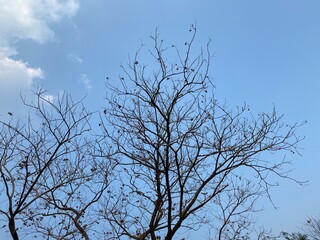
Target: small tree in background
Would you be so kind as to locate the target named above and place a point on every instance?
(294, 236)
(183, 159)
(310, 231)
(312, 228)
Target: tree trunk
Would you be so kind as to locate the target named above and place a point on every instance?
(12, 228)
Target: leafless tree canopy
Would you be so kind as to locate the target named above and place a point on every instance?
(184, 159)
(164, 158)
(50, 169)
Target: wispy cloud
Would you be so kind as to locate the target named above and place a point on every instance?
(48, 97)
(75, 58)
(86, 81)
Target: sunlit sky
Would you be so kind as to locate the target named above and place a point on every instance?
(266, 53)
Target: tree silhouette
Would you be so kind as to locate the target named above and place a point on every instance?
(50, 169)
(183, 159)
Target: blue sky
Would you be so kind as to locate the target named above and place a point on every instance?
(265, 53)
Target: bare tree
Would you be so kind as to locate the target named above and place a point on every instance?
(170, 158)
(52, 170)
(183, 159)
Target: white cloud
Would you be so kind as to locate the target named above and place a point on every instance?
(15, 73)
(29, 19)
(86, 81)
(21, 20)
(16, 77)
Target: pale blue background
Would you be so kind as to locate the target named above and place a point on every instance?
(265, 52)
